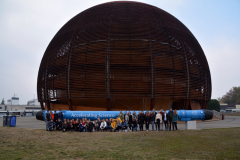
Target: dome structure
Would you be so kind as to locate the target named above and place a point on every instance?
(124, 55)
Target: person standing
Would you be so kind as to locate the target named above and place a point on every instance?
(52, 115)
(126, 117)
(154, 114)
(161, 112)
(175, 119)
(142, 118)
(56, 116)
(130, 120)
(121, 116)
(60, 115)
(152, 118)
(170, 115)
(158, 120)
(147, 120)
(165, 120)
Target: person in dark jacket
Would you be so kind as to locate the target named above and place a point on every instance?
(64, 126)
(134, 125)
(76, 125)
(147, 120)
(59, 125)
(108, 127)
(89, 126)
(170, 115)
(56, 117)
(165, 119)
(48, 118)
(130, 120)
(68, 125)
(51, 125)
(142, 118)
(60, 115)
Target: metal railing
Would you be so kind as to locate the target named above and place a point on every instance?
(217, 114)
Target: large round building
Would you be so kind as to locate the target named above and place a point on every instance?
(124, 56)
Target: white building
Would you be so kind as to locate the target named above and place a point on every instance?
(33, 102)
(13, 101)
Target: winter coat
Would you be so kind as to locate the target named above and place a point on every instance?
(158, 116)
(175, 117)
(126, 118)
(121, 116)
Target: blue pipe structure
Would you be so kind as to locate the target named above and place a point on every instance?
(184, 115)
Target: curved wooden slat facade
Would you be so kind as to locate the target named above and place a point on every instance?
(120, 54)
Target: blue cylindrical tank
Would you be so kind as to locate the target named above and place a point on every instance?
(184, 115)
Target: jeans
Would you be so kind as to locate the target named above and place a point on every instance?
(134, 128)
(153, 125)
(166, 125)
(108, 127)
(147, 125)
(84, 129)
(174, 124)
(158, 124)
(170, 122)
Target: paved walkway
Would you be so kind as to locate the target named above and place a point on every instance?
(230, 121)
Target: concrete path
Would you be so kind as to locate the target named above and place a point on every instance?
(230, 121)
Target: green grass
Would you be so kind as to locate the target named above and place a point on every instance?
(17, 143)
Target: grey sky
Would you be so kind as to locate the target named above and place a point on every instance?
(27, 27)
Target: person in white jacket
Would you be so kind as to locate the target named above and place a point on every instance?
(103, 125)
(158, 120)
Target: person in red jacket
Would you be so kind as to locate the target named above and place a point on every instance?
(52, 115)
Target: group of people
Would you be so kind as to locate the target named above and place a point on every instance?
(123, 122)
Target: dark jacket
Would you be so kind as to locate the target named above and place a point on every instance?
(60, 115)
(167, 116)
(59, 124)
(170, 115)
(134, 123)
(142, 117)
(55, 117)
(51, 124)
(48, 117)
(147, 118)
(130, 119)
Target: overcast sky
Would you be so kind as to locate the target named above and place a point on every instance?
(27, 27)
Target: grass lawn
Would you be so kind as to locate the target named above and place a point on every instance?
(18, 143)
